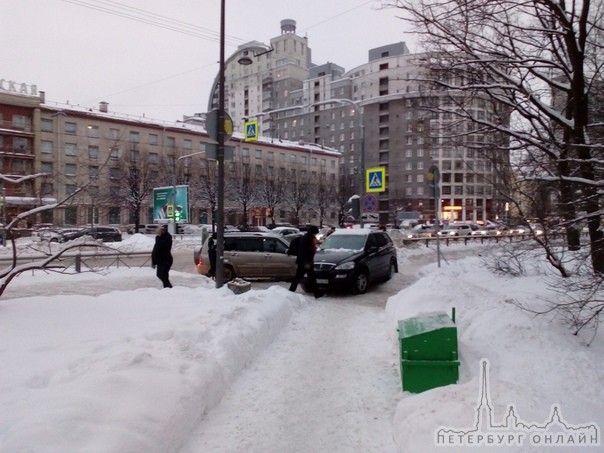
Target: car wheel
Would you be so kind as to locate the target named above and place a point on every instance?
(360, 282)
(229, 273)
(54, 240)
(391, 270)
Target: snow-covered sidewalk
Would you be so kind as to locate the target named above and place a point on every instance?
(328, 383)
(128, 367)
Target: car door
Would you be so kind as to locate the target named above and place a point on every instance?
(277, 263)
(248, 258)
(382, 242)
(373, 257)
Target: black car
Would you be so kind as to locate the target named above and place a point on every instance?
(106, 234)
(353, 259)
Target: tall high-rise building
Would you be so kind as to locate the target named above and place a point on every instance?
(384, 113)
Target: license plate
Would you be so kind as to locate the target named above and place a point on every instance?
(322, 281)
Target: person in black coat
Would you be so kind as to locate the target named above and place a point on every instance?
(212, 255)
(161, 256)
(306, 261)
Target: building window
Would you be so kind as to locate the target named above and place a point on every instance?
(70, 189)
(187, 145)
(93, 131)
(135, 155)
(70, 169)
(70, 149)
(153, 139)
(46, 167)
(114, 173)
(153, 158)
(171, 142)
(47, 188)
(46, 147)
(93, 191)
(70, 128)
(133, 137)
(46, 125)
(71, 215)
(114, 215)
(93, 152)
(93, 170)
(115, 152)
(114, 134)
(258, 154)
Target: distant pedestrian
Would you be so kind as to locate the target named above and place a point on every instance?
(161, 256)
(212, 255)
(306, 261)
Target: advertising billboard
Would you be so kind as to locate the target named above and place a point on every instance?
(171, 202)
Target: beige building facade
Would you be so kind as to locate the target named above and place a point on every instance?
(106, 165)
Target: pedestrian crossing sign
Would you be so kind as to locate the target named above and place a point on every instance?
(251, 131)
(375, 179)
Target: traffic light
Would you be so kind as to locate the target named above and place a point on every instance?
(354, 206)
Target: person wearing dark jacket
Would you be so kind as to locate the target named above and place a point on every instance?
(161, 256)
(212, 255)
(306, 261)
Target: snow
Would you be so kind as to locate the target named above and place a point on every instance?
(110, 362)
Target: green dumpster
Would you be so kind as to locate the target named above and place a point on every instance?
(428, 352)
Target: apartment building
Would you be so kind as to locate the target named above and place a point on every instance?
(106, 165)
(383, 113)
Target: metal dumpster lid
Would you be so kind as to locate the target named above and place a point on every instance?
(424, 322)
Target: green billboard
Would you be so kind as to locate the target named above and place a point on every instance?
(171, 203)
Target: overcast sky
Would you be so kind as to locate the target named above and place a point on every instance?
(160, 57)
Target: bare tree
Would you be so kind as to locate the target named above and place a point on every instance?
(242, 189)
(271, 191)
(134, 186)
(48, 262)
(298, 192)
(324, 197)
(203, 189)
(540, 60)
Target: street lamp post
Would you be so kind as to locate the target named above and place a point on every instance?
(220, 158)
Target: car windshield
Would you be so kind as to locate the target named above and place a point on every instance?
(344, 241)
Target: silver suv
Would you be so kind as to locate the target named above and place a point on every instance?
(251, 255)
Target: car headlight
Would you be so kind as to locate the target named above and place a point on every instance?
(345, 266)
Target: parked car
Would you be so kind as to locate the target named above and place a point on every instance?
(354, 259)
(285, 230)
(456, 230)
(46, 234)
(521, 230)
(486, 230)
(104, 233)
(422, 231)
(251, 255)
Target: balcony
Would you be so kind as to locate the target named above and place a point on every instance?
(9, 151)
(16, 129)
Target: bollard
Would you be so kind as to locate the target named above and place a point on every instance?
(78, 263)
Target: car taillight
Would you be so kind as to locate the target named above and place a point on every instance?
(200, 261)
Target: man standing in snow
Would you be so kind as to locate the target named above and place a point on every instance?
(306, 261)
(161, 256)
